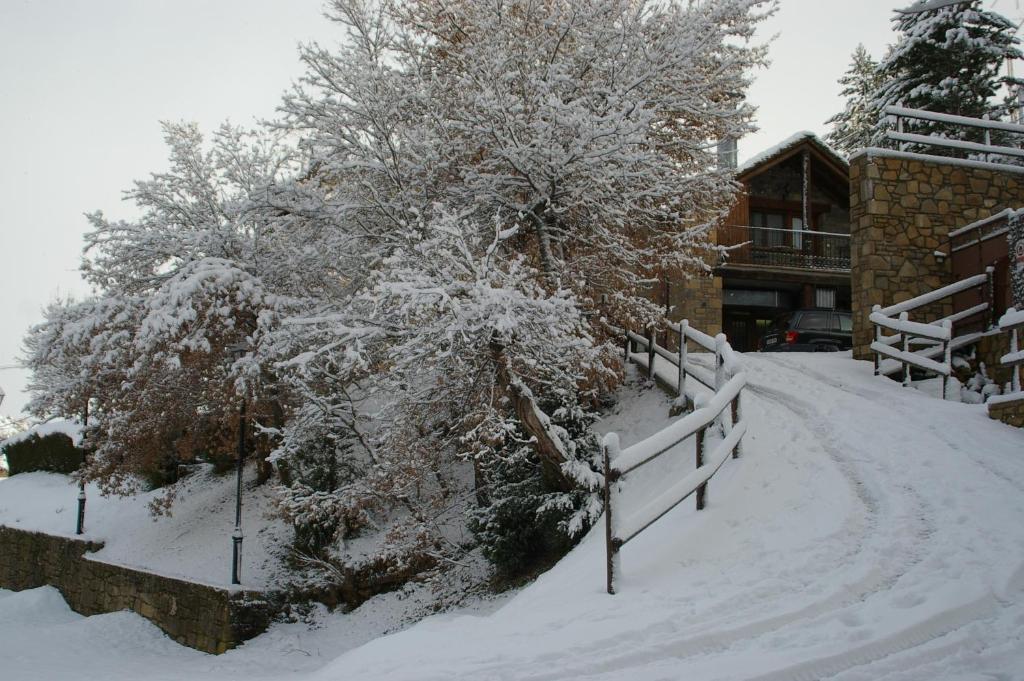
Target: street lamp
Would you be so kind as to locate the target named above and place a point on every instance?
(237, 351)
(80, 527)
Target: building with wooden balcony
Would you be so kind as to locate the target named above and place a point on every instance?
(787, 241)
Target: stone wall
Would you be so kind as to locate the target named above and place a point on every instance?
(204, 617)
(698, 299)
(902, 209)
(1011, 412)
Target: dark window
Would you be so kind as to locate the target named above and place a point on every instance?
(842, 321)
(814, 320)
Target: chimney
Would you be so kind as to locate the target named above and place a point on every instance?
(727, 154)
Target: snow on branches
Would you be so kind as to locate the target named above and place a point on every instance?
(414, 282)
(948, 60)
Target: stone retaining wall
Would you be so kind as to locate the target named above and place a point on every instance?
(1011, 413)
(204, 617)
(902, 210)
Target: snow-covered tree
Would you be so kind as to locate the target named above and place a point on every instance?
(948, 59)
(173, 290)
(591, 125)
(475, 182)
(853, 127)
(496, 171)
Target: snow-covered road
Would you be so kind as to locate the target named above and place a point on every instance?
(868, 532)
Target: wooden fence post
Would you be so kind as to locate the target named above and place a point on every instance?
(683, 326)
(947, 355)
(905, 337)
(737, 415)
(988, 141)
(699, 404)
(720, 342)
(609, 448)
(990, 294)
(628, 348)
(1015, 369)
(878, 338)
(650, 352)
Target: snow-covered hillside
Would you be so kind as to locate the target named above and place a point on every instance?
(868, 532)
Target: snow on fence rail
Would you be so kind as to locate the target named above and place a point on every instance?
(986, 150)
(727, 385)
(1012, 322)
(937, 335)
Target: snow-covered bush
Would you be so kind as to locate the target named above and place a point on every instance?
(53, 452)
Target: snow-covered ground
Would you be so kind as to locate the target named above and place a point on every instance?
(194, 542)
(869, 532)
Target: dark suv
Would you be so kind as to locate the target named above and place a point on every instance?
(810, 330)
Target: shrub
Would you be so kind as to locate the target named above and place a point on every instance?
(54, 453)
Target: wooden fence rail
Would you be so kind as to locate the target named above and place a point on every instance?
(1012, 323)
(727, 385)
(986, 149)
(927, 345)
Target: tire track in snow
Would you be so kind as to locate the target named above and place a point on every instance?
(908, 413)
(911, 637)
(932, 628)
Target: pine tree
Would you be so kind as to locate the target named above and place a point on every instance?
(948, 60)
(853, 126)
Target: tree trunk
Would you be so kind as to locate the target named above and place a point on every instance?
(548, 445)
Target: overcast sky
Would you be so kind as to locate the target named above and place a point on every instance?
(84, 84)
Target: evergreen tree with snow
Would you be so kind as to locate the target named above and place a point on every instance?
(853, 127)
(948, 60)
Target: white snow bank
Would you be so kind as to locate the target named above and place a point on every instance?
(1011, 318)
(1006, 397)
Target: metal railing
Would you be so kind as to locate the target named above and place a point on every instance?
(795, 248)
(982, 128)
(723, 408)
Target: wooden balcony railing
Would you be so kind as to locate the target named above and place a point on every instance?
(796, 248)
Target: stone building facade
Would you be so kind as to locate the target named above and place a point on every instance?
(902, 209)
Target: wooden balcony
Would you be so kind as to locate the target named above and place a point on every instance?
(772, 248)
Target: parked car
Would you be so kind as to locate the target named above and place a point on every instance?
(810, 330)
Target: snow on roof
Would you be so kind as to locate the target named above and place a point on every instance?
(70, 428)
(787, 144)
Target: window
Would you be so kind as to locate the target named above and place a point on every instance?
(842, 321)
(817, 321)
(825, 297)
(771, 221)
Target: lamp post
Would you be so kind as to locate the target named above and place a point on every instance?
(237, 351)
(80, 526)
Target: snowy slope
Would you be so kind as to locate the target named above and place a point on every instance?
(869, 532)
(194, 542)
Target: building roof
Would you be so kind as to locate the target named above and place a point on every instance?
(788, 147)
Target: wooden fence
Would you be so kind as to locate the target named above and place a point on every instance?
(926, 345)
(1012, 323)
(727, 384)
